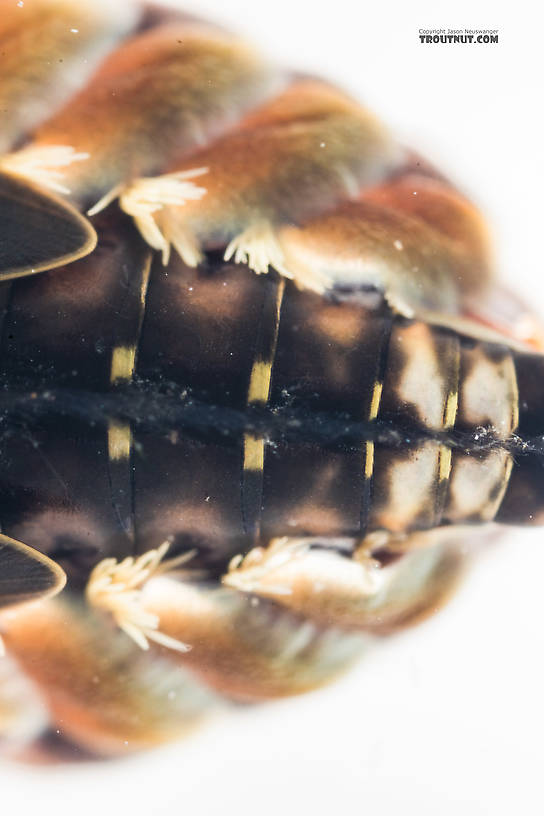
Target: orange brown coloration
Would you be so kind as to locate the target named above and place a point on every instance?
(164, 93)
(246, 650)
(48, 48)
(297, 155)
(103, 692)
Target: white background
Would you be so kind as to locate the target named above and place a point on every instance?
(448, 718)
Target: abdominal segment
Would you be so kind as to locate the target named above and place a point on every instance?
(268, 411)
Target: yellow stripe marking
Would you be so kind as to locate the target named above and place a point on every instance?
(253, 453)
(259, 382)
(369, 459)
(373, 413)
(444, 463)
(144, 285)
(450, 413)
(515, 395)
(119, 441)
(123, 360)
(259, 390)
(375, 401)
(445, 455)
(261, 373)
(279, 301)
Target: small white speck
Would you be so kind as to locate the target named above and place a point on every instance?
(415, 192)
(190, 288)
(254, 601)
(125, 742)
(207, 499)
(74, 30)
(323, 144)
(398, 244)
(20, 4)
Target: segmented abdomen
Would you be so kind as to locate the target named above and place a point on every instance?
(214, 406)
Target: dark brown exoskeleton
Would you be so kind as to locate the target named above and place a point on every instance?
(251, 409)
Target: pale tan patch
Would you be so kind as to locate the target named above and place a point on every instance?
(411, 488)
(194, 519)
(477, 485)
(422, 382)
(225, 305)
(488, 396)
(342, 326)
(313, 518)
(64, 522)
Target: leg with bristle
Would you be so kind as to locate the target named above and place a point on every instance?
(116, 588)
(152, 203)
(260, 246)
(45, 165)
(257, 247)
(357, 592)
(177, 235)
(246, 648)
